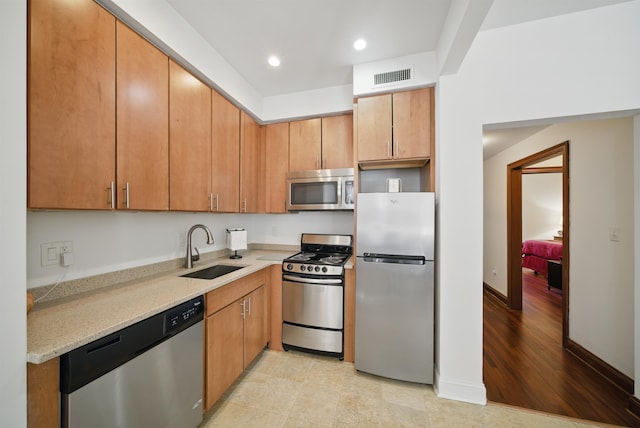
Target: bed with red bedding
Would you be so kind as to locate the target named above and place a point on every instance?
(535, 254)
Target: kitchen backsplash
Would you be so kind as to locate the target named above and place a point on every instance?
(106, 241)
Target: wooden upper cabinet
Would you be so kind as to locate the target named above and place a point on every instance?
(189, 141)
(337, 141)
(305, 140)
(225, 154)
(71, 105)
(276, 148)
(251, 166)
(142, 123)
(395, 126)
(321, 143)
(412, 124)
(374, 128)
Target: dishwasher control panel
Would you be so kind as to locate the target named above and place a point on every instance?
(184, 315)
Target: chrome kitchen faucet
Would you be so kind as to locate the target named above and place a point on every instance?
(191, 258)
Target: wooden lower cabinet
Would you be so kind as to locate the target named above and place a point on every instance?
(235, 334)
(224, 354)
(255, 324)
(43, 386)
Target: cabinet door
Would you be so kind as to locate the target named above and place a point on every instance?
(224, 351)
(374, 128)
(71, 105)
(255, 324)
(225, 154)
(276, 141)
(142, 123)
(305, 139)
(412, 124)
(251, 166)
(337, 141)
(190, 141)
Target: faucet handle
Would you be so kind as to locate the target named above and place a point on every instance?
(196, 256)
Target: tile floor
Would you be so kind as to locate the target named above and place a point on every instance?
(292, 389)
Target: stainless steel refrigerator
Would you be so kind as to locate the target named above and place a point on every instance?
(395, 285)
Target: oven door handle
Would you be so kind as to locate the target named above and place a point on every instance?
(323, 281)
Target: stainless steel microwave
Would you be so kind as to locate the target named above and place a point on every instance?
(321, 189)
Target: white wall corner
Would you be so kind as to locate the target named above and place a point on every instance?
(13, 169)
(454, 389)
(636, 251)
(458, 32)
(423, 73)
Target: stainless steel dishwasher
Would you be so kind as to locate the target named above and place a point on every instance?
(147, 375)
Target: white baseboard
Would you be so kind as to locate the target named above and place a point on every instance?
(454, 389)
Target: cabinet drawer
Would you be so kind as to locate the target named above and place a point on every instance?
(227, 294)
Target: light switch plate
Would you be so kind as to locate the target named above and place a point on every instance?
(49, 253)
(394, 185)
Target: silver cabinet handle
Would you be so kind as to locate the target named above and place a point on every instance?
(244, 205)
(210, 201)
(388, 149)
(242, 304)
(396, 146)
(249, 306)
(217, 209)
(112, 196)
(126, 195)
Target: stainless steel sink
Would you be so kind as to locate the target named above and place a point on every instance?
(212, 272)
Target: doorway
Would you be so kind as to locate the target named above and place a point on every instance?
(515, 171)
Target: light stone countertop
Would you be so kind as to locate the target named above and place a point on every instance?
(61, 325)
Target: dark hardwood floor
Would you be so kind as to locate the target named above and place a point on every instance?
(526, 366)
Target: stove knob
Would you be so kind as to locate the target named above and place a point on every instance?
(289, 266)
(317, 269)
(303, 268)
(324, 269)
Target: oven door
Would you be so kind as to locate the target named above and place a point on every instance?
(313, 302)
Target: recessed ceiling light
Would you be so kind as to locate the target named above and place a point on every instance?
(360, 44)
(274, 61)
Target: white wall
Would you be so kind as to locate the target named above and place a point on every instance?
(541, 205)
(110, 241)
(636, 190)
(13, 138)
(601, 196)
(316, 102)
(582, 63)
(601, 273)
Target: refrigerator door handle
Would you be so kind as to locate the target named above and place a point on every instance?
(394, 258)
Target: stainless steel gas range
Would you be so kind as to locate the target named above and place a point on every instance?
(313, 294)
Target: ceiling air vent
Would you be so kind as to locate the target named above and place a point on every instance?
(392, 76)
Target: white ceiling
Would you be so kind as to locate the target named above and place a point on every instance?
(314, 38)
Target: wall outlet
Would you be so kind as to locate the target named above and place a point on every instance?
(51, 252)
(66, 247)
(614, 234)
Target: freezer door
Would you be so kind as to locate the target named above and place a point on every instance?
(394, 320)
(395, 223)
